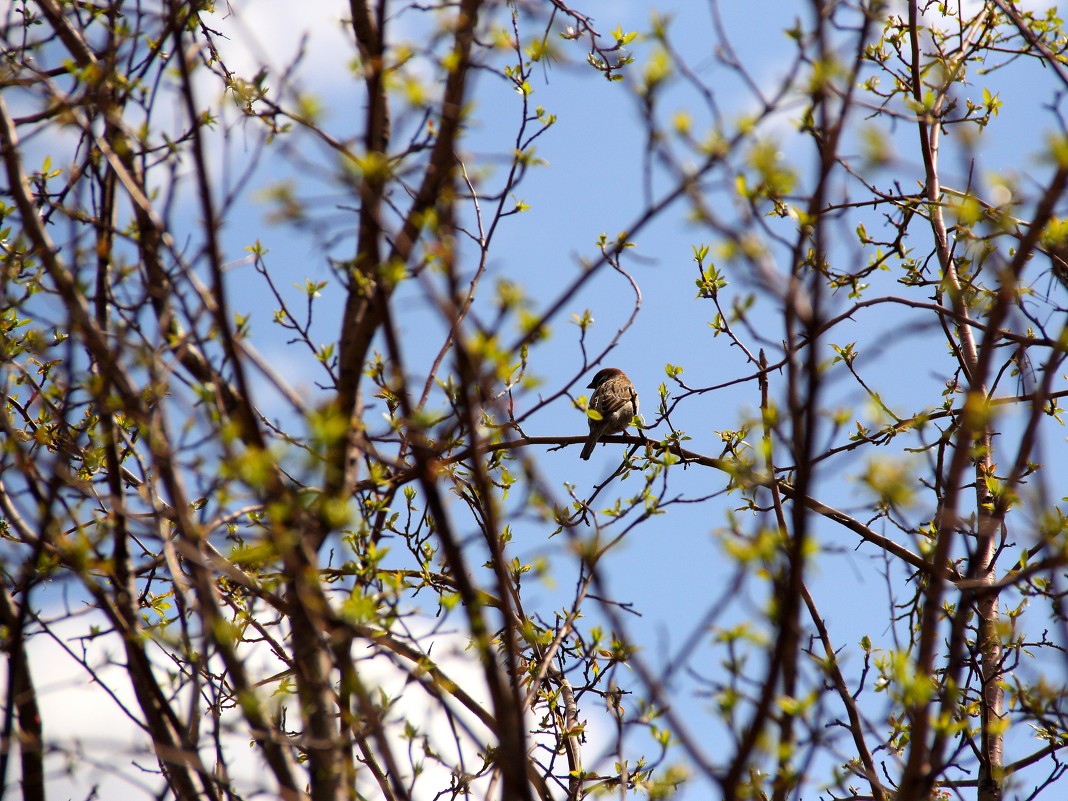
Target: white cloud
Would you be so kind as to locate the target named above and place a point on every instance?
(270, 33)
(94, 746)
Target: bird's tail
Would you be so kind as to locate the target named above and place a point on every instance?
(587, 449)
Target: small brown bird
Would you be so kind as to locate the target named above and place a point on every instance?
(616, 400)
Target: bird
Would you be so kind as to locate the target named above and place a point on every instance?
(615, 398)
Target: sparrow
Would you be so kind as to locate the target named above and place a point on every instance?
(616, 400)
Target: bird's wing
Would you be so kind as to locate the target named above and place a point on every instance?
(620, 400)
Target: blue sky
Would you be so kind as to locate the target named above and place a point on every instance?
(672, 568)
